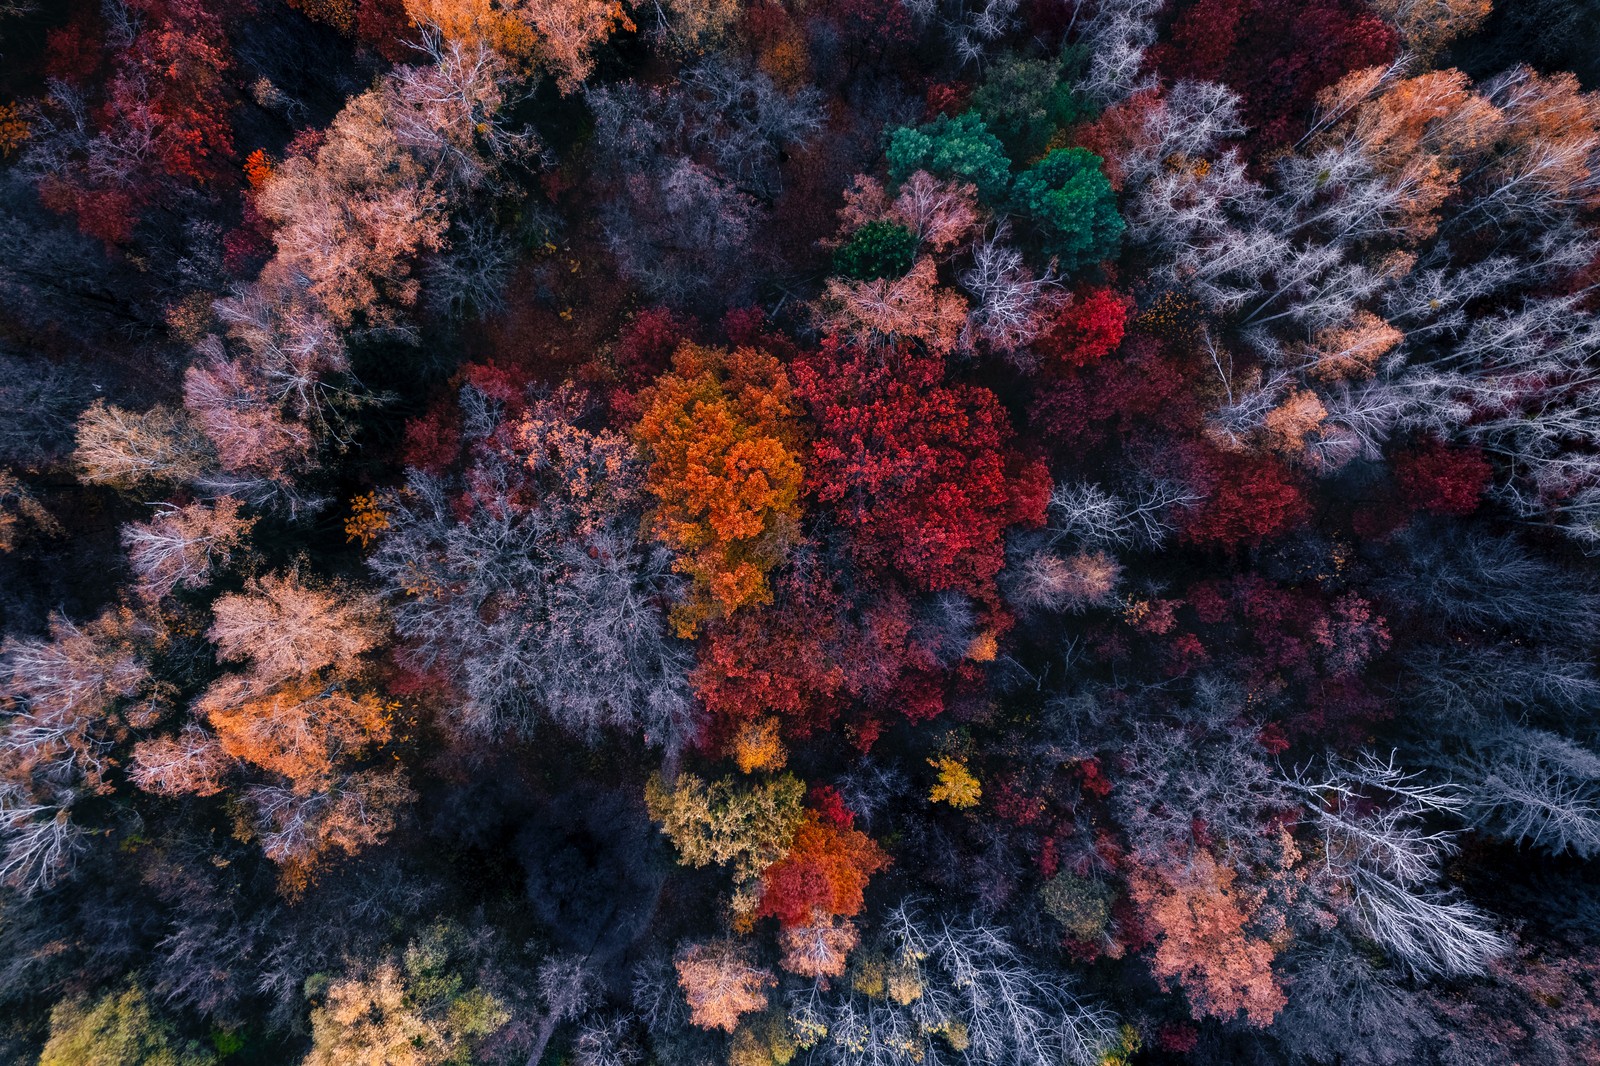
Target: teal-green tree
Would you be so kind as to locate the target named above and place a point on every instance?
(960, 147)
(1071, 206)
(1025, 101)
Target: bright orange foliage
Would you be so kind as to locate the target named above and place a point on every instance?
(299, 730)
(722, 438)
(560, 33)
(825, 872)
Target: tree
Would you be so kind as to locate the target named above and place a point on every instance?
(301, 730)
(1011, 304)
(561, 34)
(1370, 812)
(153, 127)
(129, 450)
(192, 763)
(21, 513)
(947, 991)
(1537, 788)
(1276, 55)
(878, 249)
(960, 148)
(819, 948)
(750, 826)
(180, 545)
(722, 438)
(1199, 917)
(525, 583)
(68, 700)
(922, 472)
(350, 218)
(909, 307)
(956, 786)
(287, 629)
(942, 215)
(1425, 28)
(1249, 500)
(1069, 202)
(720, 983)
(416, 1008)
(1025, 102)
(824, 871)
(1085, 329)
(118, 1029)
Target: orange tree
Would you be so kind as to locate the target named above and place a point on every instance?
(723, 438)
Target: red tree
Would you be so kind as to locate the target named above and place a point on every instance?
(1088, 329)
(922, 471)
(1248, 498)
(825, 872)
(1441, 479)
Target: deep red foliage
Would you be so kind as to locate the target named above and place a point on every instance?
(1141, 390)
(159, 120)
(923, 472)
(1435, 477)
(1247, 499)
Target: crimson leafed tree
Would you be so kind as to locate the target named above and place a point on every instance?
(923, 471)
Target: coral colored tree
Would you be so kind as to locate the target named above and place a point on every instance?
(924, 472)
(1200, 915)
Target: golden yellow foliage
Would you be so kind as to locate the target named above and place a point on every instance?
(956, 786)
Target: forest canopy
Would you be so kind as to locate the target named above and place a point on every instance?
(816, 532)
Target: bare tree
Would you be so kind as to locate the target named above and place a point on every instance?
(1377, 847)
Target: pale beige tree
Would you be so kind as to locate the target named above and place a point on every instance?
(819, 948)
(913, 307)
(179, 546)
(130, 449)
(287, 629)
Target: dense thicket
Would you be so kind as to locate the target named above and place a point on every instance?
(843, 532)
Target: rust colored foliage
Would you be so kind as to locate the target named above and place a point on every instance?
(722, 438)
(922, 471)
(1200, 917)
(825, 872)
(1421, 132)
(775, 659)
(559, 34)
